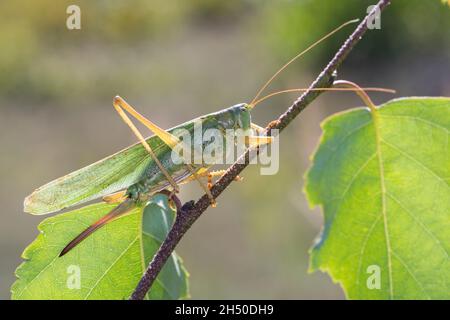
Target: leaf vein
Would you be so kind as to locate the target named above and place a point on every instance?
(407, 155)
(420, 223)
(410, 272)
(112, 265)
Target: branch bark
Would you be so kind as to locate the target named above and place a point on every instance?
(191, 211)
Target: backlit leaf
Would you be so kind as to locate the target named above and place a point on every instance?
(106, 265)
(383, 182)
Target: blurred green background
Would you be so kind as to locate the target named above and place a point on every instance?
(175, 60)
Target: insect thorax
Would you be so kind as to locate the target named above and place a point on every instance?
(230, 121)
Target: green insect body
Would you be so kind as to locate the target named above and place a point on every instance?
(153, 180)
(132, 168)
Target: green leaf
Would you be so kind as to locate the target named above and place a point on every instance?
(109, 262)
(382, 180)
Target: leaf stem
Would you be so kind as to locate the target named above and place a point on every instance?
(360, 92)
(191, 211)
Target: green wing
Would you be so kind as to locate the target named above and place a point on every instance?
(101, 178)
(114, 173)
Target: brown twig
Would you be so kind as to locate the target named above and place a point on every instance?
(191, 211)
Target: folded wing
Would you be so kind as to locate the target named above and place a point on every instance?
(104, 177)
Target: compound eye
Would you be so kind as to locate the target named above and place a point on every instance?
(243, 107)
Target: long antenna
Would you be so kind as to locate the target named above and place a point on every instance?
(354, 88)
(299, 55)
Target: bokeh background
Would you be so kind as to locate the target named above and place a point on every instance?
(175, 60)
